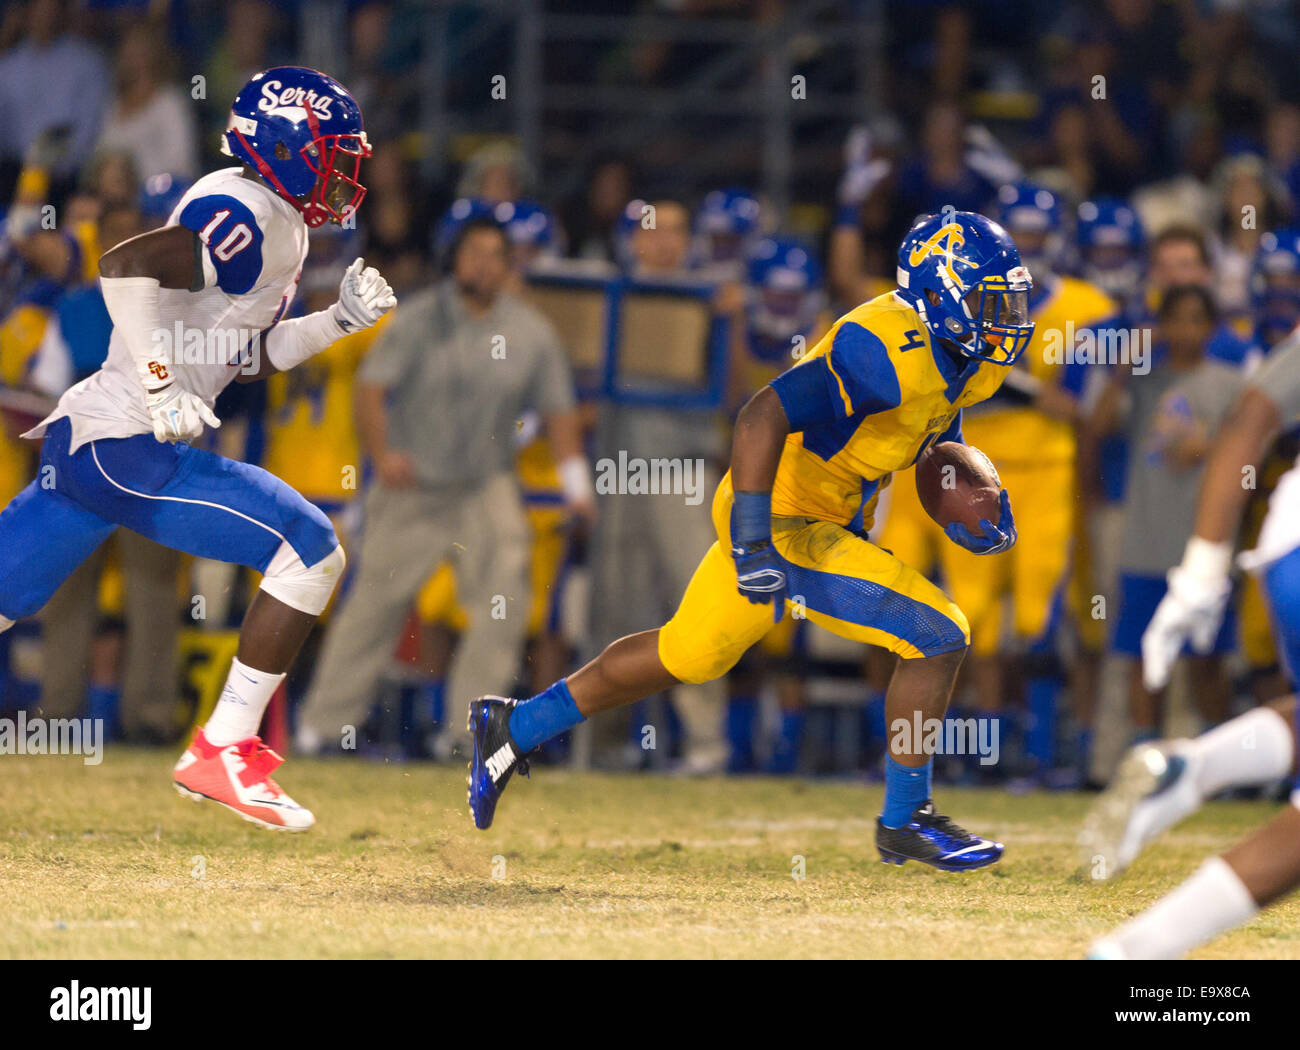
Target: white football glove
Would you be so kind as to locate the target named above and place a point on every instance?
(177, 414)
(1192, 610)
(364, 297)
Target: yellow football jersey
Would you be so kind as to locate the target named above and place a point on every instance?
(311, 440)
(894, 400)
(1008, 433)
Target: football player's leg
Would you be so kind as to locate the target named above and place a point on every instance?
(44, 536)
(1159, 784)
(859, 591)
(712, 627)
(203, 504)
(1225, 892)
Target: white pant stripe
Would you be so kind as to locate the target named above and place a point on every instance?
(177, 499)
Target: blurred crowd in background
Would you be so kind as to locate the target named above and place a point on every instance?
(1145, 155)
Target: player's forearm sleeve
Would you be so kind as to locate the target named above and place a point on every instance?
(1278, 378)
(132, 304)
(293, 341)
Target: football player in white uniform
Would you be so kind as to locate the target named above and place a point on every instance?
(1158, 785)
(196, 305)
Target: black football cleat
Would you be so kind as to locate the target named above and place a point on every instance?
(496, 756)
(933, 839)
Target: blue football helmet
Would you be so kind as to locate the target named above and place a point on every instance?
(785, 296)
(530, 228)
(1110, 240)
(962, 273)
(462, 210)
(1033, 215)
(629, 221)
(529, 225)
(726, 223)
(302, 133)
(1275, 286)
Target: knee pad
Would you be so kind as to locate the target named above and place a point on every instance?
(688, 664)
(306, 588)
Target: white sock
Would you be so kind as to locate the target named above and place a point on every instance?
(1255, 748)
(1212, 901)
(241, 705)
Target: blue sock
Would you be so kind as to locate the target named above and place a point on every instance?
(102, 703)
(788, 744)
(906, 787)
(433, 698)
(1040, 733)
(1001, 728)
(547, 714)
(740, 731)
(873, 718)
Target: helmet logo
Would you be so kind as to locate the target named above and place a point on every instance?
(944, 242)
(288, 102)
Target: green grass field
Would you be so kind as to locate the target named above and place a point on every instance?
(107, 861)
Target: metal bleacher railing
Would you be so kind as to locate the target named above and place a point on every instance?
(730, 113)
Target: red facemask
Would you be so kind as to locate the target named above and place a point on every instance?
(336, 160)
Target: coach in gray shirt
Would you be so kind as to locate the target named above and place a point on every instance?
(439, 401)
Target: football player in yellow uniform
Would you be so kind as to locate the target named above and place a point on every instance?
(810, 453)
(1028, 431)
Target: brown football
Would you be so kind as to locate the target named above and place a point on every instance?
(956, 482)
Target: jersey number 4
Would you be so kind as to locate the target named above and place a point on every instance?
(239, 238)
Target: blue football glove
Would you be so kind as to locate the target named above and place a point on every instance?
(996, 539)
(760, 575)
(760, 570)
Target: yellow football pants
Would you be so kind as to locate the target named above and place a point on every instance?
(836, 579)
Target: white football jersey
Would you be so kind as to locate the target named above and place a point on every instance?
(254, 246)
